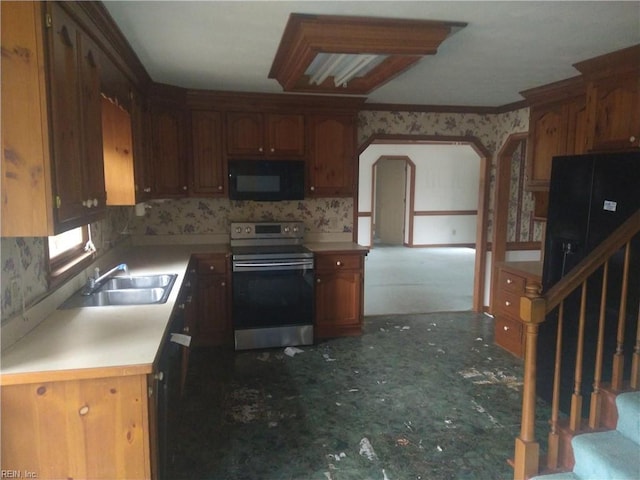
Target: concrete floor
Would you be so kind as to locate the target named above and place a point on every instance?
(425, 396)
(401, 280)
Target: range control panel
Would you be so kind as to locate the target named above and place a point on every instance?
(266, 230)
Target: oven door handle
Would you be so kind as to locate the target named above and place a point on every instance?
(299, 265)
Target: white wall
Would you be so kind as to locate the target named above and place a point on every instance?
(447, 178)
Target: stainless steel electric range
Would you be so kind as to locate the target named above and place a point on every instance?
(273, 285)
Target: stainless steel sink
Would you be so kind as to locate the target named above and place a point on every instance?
(125, 290)
(146, 281)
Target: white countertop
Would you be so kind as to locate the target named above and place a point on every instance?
(96, 342)
(102, 341)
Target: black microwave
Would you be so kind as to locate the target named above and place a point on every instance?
(266, 180)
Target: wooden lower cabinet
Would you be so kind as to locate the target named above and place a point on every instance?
(91, 428)
(212, 325)
(339, 294)
(513, 277)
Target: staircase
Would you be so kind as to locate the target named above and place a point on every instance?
(613, 454)
(580, 442)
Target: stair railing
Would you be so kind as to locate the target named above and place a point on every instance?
(534, 307)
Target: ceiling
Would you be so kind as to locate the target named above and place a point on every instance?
(507, 46)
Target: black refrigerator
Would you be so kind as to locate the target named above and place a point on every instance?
(589, 197)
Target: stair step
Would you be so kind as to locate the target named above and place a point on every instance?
(628, 405)
(606, 455)
(557, 476)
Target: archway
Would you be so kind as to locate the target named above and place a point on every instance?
(483, 196)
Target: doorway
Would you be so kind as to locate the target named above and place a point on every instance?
(390, 194)
(428, 224)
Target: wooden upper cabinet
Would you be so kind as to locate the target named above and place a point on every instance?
(141, 136)
(613, 99)
(208, 173)
(117, 153)
(167, 164)
(259, 134)
(547, 138)
(615, 112)
(76, 122)
(332, 150)
(557, 126)
(285, 135)
(27, 208)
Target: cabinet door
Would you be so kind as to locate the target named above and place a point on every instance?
(212, 326)
(245, 134)
(338, 301)
(547, 138)
(141, 133)
(76, 119)
(207, 164)
(577, 136)
(91, 114)
(65, 114)
(331, 162)
(168, 168)
(285, 135)
(616, 119)
(27, 209)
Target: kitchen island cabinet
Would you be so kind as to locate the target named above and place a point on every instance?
(513, 277)
(339, 292)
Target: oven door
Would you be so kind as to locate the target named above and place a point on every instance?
(273, 302)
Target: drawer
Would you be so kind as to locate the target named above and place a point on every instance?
(508, 334)
(508, 303)
(338, 261)
(511, 282)
(212, 264)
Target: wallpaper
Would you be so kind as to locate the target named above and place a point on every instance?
(209, 215)
(23, 274)
(23, 269)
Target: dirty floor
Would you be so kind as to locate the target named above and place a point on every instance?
(425, 396)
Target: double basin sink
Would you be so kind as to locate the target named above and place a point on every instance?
(125, 290)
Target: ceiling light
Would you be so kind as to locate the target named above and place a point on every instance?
(360, 53)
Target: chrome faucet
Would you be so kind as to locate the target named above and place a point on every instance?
(94, 283)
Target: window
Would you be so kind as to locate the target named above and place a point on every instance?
(69, 252)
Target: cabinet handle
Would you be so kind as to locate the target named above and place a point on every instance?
(632, 139)
(223, 284)
(159, 376)
(219, 187)
(318, 280)
(181, 306)
(509, 281)
(184, 188)
(212, 268)
(507, 303)
(147, 190)
(312, 188)
(339, 263)
(185, 329)
(261, 149)
(505, 328)
(273, 150)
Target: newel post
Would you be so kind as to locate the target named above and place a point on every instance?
(527, 454)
